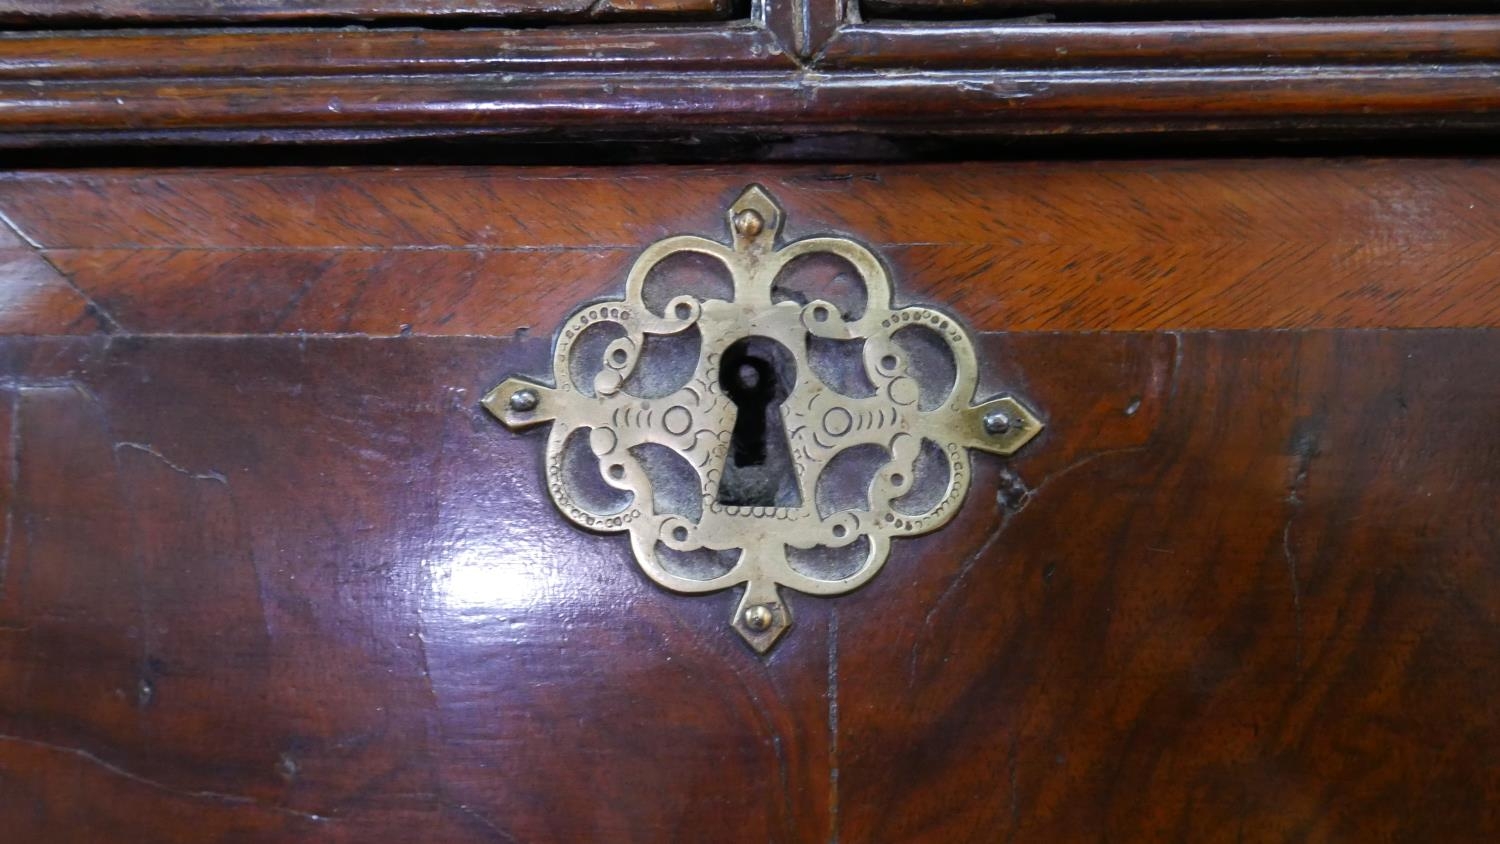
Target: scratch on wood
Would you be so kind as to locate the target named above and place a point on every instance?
(84, 390)
(833, 726)
(215, 796)
(786, 784)
(293, 301)
(13, 486)
(421, 637)
(1015, 792)
(488, 824)
(210, 475)
(1304, 448)
(17, 388)
(260, 581)
(1008, 513)
(963, 573)
(1291, 570)
(1176, 365)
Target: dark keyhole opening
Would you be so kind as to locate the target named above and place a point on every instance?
(757, 374)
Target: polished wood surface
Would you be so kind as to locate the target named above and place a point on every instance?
(1168, 9)
(271, 573)
(916, 105)
(775, 70)
(1089, 246)
(114, 13)
(206, 53)
(1263, 43)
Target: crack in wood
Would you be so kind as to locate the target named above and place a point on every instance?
(210, 475)
(125, 773)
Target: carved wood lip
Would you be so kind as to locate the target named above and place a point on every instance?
(921, 102)
(818, 70)
(1286, 42)
(272, 54)
(113, 13)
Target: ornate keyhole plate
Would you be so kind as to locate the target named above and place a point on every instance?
(632, 450)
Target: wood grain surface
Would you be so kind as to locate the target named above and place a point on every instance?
(1380, 99)
(1257, 43)
(206, 53)
(270, 573)
(780, 69)
(266, 587)
(111, 13)
(1169, 9)
(1089, 246)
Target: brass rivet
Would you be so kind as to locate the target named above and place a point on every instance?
(759, 618)
(998, 423)
(524, 401)
(748, 224)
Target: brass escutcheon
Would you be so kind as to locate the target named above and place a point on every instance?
(754, 424)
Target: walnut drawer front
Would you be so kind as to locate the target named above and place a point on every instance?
(270, 571)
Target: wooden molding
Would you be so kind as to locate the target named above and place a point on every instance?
(110, 13)
(1436, 39)
(1166, 9)
(788, 70)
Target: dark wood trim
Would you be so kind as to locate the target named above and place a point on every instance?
(793, 68)
(825, 19)
(996, 102)
(805, 26)
(107, 13)
(1278, 42)
(1166, 9)
(208, 54)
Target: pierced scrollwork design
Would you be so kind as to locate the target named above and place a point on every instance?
(710, 427)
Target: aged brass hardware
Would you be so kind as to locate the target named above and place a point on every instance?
(753, 427)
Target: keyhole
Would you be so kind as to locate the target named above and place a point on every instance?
(757, 374)
(751, 384)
